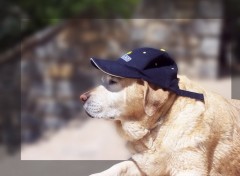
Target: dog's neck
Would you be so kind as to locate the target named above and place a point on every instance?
(137, 130)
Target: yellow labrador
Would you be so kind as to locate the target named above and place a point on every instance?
(169, 134)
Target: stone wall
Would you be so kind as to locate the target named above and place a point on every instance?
(190, 30)
(194, 43)
(55, 72)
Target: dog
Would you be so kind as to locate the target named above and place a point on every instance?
(170, 135)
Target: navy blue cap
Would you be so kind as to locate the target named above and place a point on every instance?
(153, 65)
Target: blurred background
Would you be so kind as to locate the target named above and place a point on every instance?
(45, 48)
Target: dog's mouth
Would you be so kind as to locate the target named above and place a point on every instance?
(92, 109)
(89, 114)
(110, 118)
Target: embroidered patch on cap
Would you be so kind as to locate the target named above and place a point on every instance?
(126, 57)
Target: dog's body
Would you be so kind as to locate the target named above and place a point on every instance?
(170, 134)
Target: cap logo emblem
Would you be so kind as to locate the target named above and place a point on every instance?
(126, 57)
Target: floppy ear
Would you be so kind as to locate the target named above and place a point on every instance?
(154, 98)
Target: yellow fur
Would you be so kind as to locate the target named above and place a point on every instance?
(179, 136)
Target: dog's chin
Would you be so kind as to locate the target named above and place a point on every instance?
(89, 114)
(99, 117)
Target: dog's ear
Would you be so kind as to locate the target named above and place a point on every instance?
(154, 98)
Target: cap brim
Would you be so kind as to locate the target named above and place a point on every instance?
(114, 68)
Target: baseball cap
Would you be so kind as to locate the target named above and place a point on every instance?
(153, 65)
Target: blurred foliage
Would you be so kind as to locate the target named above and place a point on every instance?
(15, 15)
(21, 18)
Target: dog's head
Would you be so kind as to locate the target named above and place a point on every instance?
(124, 98)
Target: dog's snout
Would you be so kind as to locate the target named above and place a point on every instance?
(84, 96)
